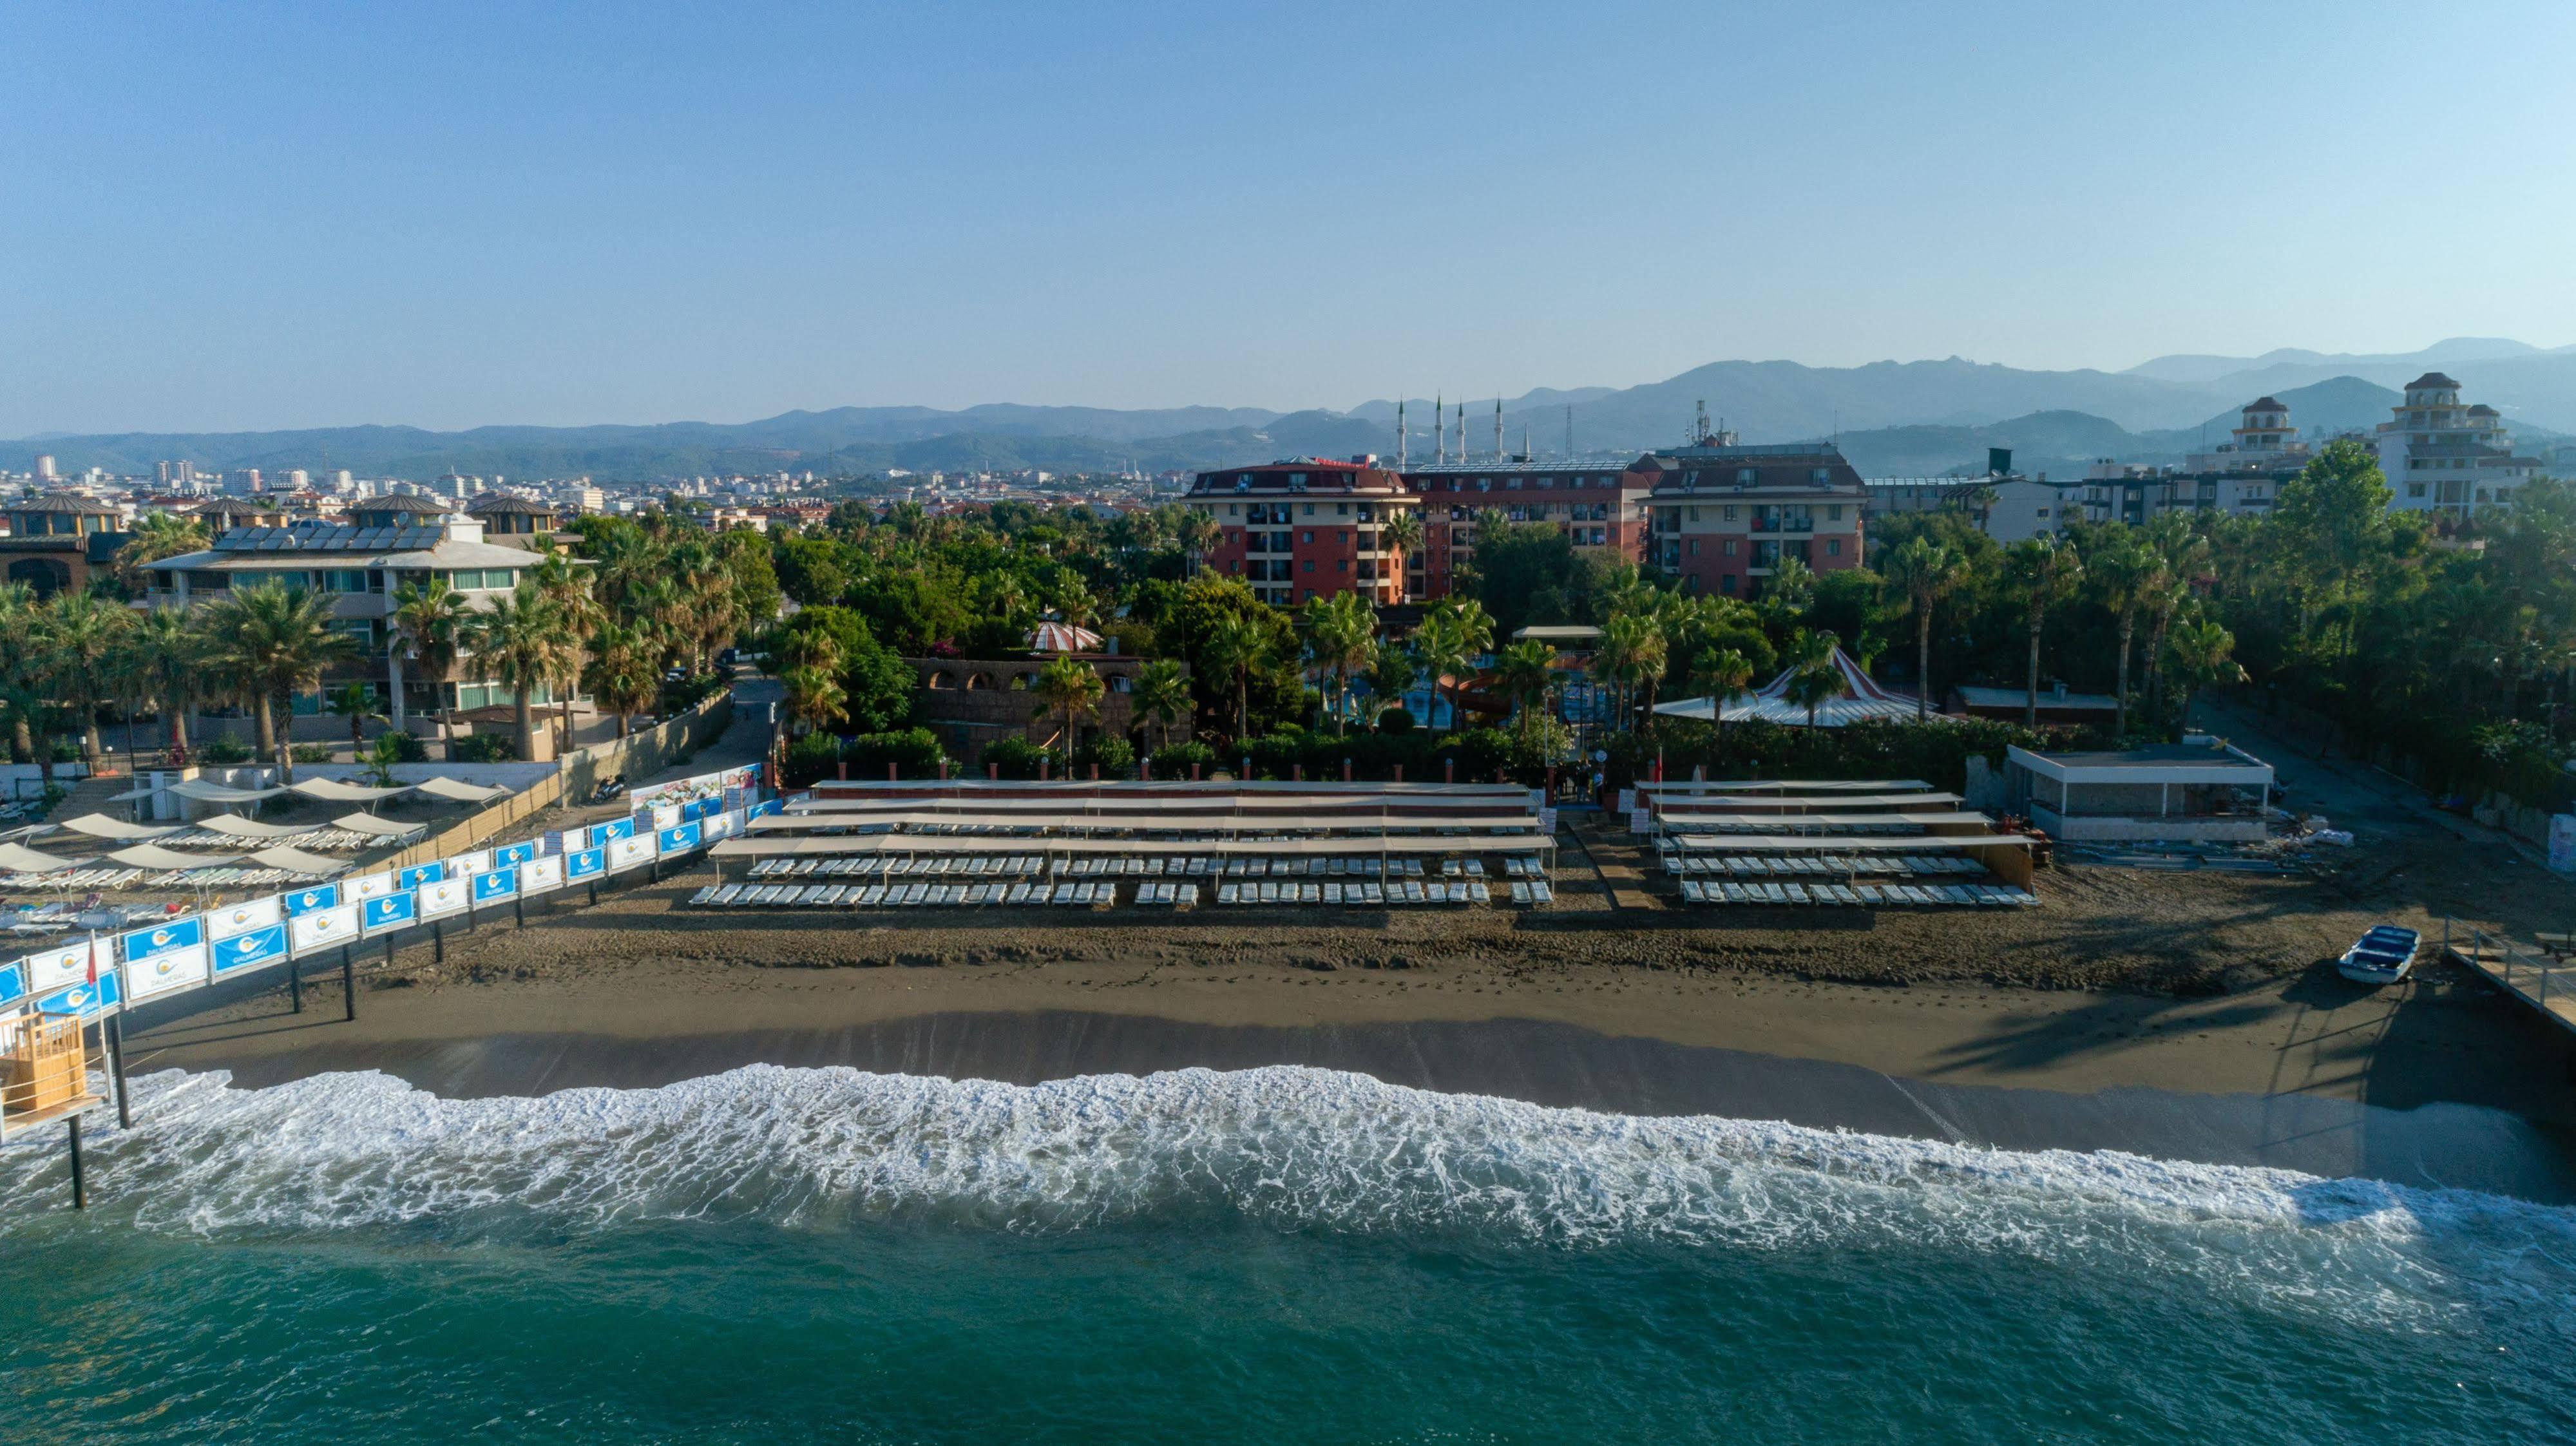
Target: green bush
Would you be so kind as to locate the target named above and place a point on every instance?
(1013, 757)
(66, 750)
(1173, 760)
(223, 751)
(483, 748)
(915, 753)
(1115, 756)
(312, 752)
(397, 747)
(1398, 719)
(810, 759)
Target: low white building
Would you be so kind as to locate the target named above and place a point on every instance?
(2166, 793)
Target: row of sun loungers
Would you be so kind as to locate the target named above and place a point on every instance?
(320, 840)
(1535, 892)
(224, 878)
(906, 896)
(1400, 892)
(103, 878)
(875, 865)
(1103, 867)
(1522, 866)
(1824, 866)
(1866, 895)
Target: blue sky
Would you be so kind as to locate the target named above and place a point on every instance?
(249, 216)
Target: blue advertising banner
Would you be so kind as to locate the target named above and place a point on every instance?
(249, 951)
(393, 911)
(764, 810)
(84, 998)
(510, 856)
(177, 934)
(419, 874)
(678, 840)
(599, 834)
(495, 884)
(585, 864)
(310, 901)
(13, 982)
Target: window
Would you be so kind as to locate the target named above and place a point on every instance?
(1339, 565)
(1342, 535)
(1341, 509)
(1834, 512)
(1833, 547)
(1310, 511)
(1310, 564)
(1730, 512)
(1310, 535)
(1234, 564)
(1726, 583)
(1694, 513)
(1694, 547)
(1745, 476)
(2043, 512)
(1730, 547)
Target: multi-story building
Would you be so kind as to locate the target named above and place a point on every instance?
(1724, 515)
(1308, 528)
(1599, 505)
(2263, 440)
(2444, 458)
(2007, 508)
(56, 542)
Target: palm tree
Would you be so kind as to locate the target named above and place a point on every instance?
(1198, 534)
(625, 672)
(567, 586)
(1402, 535)
(1236, 645)
(170, 651)
(1725, 673)
(1440, 651)
(2126, 572)
(1162, 697)
(1340, 635)
(2044, 570)
(1525, 669)
(20, 668)
(1815, 679)
(2202, 654)
(2186, 557)
(1631, 653)
(520, 643)
(1071, 689)
(269, 642)
(815, 697)
(156, 535)
(1925, 572)
(80, 636)
(1390, 676)
(432, 618)
(356, 702)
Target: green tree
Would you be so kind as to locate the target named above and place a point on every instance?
(80, 637)
(1725, 672)
(156, 535)
(2125, 573)
(625, 672)
(268, 642)
(1815, 680)
(1923, 572)
(1526, 669)
(1162, 697)
(433, 619)
(1341, 636)
(520, 642)
(356, 702)
(1070, 689)
(1237, 645)
(2044, 571)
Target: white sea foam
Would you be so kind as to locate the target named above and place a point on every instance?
(1297, 1148)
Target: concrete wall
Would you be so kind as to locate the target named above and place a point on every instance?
(2121, 828)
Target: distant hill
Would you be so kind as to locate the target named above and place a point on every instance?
(2532, 386)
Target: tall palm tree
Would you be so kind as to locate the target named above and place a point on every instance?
(269, 642)
(1725, 673)
(1925, 572)
(568, 587)
(156, 535)
(2186, 557)
(2202, 654)
(815, 697)
(1198, 533)
(170, 651)
(1340, 636)
(1070, 689)
(625, 671)
(80, 637)
(2125, 572)
(20, 668)
(1525, 669)
(1235, 645)
(520, 642)
(356, 702)
(2044, 570)
(1402, 535)
(1440, 650)
(433, 619)
(1815, 679)
(1390, 677)
(1162, 697)
(1631, 651)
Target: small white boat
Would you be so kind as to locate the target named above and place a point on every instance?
(2382, 956)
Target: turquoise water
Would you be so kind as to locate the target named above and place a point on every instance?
(1273, 1255)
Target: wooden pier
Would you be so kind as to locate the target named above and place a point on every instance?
(2544, 982)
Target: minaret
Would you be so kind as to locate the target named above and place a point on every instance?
(1399, 432)
(1440, 425)
(1498, 429)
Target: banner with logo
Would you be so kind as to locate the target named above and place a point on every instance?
(13, 983)
(306, 901)
(188, 932)
(767, 807)
(359, 888)
(323, 928)
(249, 951)
(717, 827)
(55, 968)
(510, 856)
(446, 896)
(585, 864)
(385, 915)
(419, 874)
(466, 866)
(166, 972)
(600, 835)
(627, 853)
(663, 816)
(538, 876)
(496, 884)
(677, 840)
(91, 1001)
(244, 917)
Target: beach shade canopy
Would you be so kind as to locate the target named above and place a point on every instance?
(297, 861)
(1860, 700)
(368, 823)
(235, 826)
(205, 792)
(332, 790)
(1063, 638)
(19, 859)
(99, 825)
(458, 791)
(153, 856)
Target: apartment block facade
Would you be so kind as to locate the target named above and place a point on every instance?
(1724, 516)
(1309, 528)
(1601, 507)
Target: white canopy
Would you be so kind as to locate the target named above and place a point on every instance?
(332, 790)
(1860, 700)
(205, 792)
(297, 861)
(153, 856)
(99, 825)
(19, 859)
(237, 826)
(458, 791)
(368, 823)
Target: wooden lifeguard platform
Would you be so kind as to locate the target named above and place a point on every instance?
(45, 1063)
(2543, 981)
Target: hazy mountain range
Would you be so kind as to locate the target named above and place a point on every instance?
(1894, 418)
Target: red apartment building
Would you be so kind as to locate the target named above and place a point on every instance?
(1725, 515)
(1302, 529)
(1600, 505)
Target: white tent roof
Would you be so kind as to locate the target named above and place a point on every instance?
(297, 861)
(332, 790)
(99, 825)
(1861, 700)
(205, 792)
(239, 827)
(459, 791)
(368, 823)
(153, 856)
(19, 859)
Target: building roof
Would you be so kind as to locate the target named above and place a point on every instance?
(401, 502)
(2265, 404)
(1560, 633)
(2483, 410)
(1862, 699)
(2434, 380)
(2020, 698)
(501, 502)
(271, 549)
(65, 502)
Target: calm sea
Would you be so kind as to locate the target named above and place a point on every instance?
(1272, 1255)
